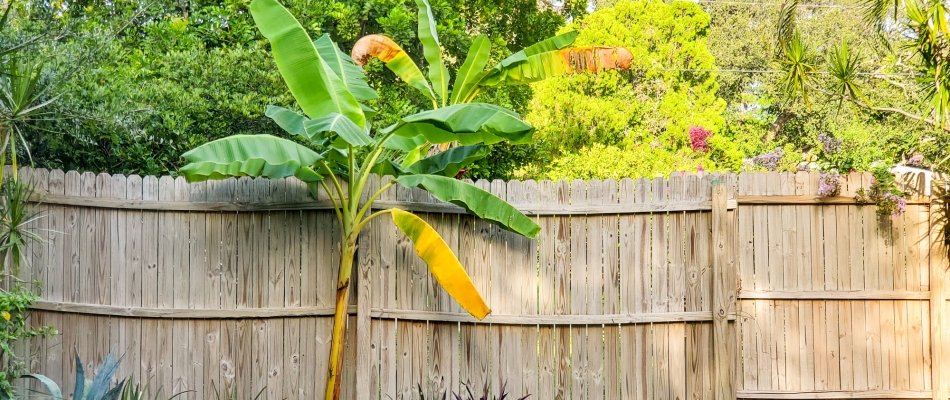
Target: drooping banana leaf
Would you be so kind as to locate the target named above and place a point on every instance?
(468, 123)
(432, 50)
(287, 120)
(347, 131)
(560, 62)
(474, 200)
(395, 58)
(450, 162)
(547, 45)
(472, 69)
(343, 66)
(443, 265)
(318, 90)
(403, 143)
(250, 155)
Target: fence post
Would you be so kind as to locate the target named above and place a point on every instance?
(724, 289)
(938, 297)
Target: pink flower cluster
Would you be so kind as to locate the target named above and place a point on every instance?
(916, 159)
(699, 138)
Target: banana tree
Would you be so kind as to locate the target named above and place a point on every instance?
(341, 149)
(548, 58)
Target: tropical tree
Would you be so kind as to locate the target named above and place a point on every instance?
(548, 58)
(917, 27)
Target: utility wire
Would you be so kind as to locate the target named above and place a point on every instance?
(777, 71)
(751, 3)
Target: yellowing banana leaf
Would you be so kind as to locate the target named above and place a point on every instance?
(468, 123)
(318, 90)
(472, 69)
(443, 265)
(449, 162)
(474, 200)
(432, 50)
(348, 131)
(550, 44)
(250, 155)
(395, 58)
(343, 66)
(560, 62)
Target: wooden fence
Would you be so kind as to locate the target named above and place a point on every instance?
(711, 286)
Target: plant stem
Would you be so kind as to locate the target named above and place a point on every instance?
(369, 203)
(340, 319)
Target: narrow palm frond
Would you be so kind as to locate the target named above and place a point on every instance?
(798, 63)
(786, 23)
(843, 69)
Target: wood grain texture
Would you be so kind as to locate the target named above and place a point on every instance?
(833, 302)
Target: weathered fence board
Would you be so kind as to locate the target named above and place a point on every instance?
(634, 289)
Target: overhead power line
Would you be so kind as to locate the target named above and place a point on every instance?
(778, 71)
(752, 3)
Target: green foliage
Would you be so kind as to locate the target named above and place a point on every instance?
(193, 71)
(883, 193)
(14, 330)
(135, 391)
(231, 393)
(633, 123)
(466, 394)
(99, 387)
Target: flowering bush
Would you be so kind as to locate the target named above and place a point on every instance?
(699, 138)
(829, 183)
(883, 193)
(916, 159)
(769, 161)
(828, 143)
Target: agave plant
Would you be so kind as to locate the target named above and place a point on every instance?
(135, 391)
(99, 387)
(341, 149)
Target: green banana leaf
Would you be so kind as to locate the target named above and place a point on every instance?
(317, 89)
(416, 154)
(288, 120)
(468, 123)
(348, 132)
(432, 50)
(449, 162)
(387, 167)
(497, 74)
(343, 66)
(250, 155)
(404, 143)
(473, 69)
(474, 200)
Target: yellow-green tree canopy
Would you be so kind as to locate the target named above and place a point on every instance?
(634, 123)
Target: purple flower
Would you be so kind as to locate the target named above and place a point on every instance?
(899, 203)
(916, 159)
(769, 161)
(829, 143)
(699, 138)
(829, 183)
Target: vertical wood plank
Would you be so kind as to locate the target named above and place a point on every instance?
(548, 251)
(612, 278)
(629, 274)
(578, 292)
(368, 254)
(938, 290)
(723, 290)
(595, 292)
(660, 294)
(563, 295)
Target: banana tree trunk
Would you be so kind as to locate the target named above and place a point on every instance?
(339, 321)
